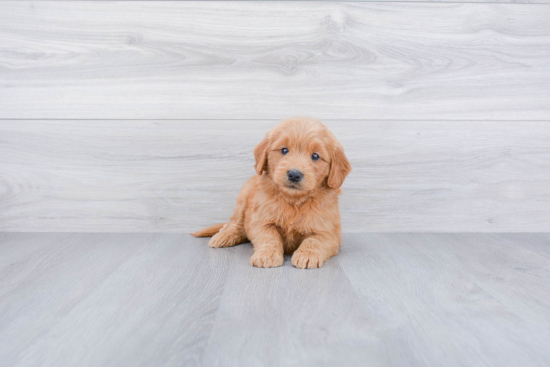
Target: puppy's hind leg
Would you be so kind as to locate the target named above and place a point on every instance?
(233, 233)
(229, 235)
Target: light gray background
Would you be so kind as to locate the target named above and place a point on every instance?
(142, 116)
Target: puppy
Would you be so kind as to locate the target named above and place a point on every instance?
(291, 206)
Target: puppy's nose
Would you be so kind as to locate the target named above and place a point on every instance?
(294, 175)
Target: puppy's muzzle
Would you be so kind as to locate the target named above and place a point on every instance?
(294, 175)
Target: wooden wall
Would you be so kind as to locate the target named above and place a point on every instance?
(141, 116)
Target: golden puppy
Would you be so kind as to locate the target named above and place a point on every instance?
(291, 206)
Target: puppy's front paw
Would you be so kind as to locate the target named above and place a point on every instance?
(267, 258)
(310, 259)
(225, 238)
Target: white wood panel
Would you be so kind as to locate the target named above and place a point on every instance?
(254, 60)
(399, 1)
(178, 176)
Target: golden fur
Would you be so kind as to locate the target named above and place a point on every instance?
(282, 217)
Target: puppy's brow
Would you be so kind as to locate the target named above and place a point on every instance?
(282, 142)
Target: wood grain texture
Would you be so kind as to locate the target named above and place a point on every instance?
(178, 176)
(68, 268)
(399, 1)
(110, 299)
(290, 317)
(168, 299)
(537, 242)
(445, 293)
(257, 60)
(501, 268)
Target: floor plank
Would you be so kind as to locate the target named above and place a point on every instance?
(512, 273)
(537, 242)
(291, 317)
(40, 287)
(254, 60)
(123, 295)
(168, 299)
(431, 291)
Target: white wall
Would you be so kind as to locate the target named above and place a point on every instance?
(142, 116)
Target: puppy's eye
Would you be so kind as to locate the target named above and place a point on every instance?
(315, 157)
(284, 151)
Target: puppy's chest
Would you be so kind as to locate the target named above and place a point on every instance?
(293, 222)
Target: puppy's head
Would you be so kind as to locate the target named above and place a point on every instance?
(301, 155)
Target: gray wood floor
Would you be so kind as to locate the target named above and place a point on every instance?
(168, 299)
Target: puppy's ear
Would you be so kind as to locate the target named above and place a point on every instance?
(260, 153)
(339, 167)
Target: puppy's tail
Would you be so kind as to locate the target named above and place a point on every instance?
(208, 231)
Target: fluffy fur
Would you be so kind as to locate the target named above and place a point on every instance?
(283, 217)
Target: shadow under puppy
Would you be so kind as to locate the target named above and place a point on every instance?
(291, 206)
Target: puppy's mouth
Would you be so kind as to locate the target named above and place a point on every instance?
(293, 186)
